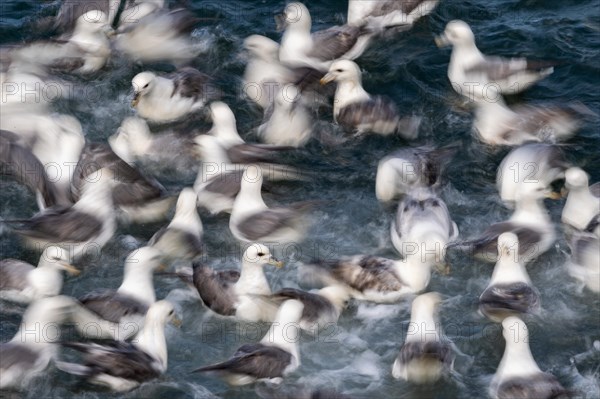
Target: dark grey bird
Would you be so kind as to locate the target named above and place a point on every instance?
(388, 13)
(426, 355)
(141, 198)
(272, 358)
(359, 112)
(235, 293)
(182, 238)
(518, 375)
(410, 168)
(172, 96)
(510, 291)
(122, 366)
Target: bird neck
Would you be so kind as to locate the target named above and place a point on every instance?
(152, 340)
(466, 53)
(530, 209)
(138, 283)
(252, 280)
(348, 92)
(517, 359)
(414, 271)
(509, 270)
(250, 196)
(423, 326)
(187, 219)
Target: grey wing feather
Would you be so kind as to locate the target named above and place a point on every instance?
(13, 274)
(542, 386)
(216, 288)
(314, 304)
(433, 350)
(191, 83)
(517, 297)
(13, 354)
(528, 238)
(376, 109)
(497, 68)
(264, 223)
(112, 306)
(332, 43)
(252, 153)
(227, 184)
(176, 242)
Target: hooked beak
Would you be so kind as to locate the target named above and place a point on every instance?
(553, 195)
(442, 41)
(109, 31)
(443, 268)
(327, 78)
(280, 21)
(72, 270)
(277, 263)
(162, 267)
(136, 99)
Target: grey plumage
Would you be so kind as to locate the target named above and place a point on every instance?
(191, 83)
(177, 243)
(216, 288)
(315, 306)
(13, 274)
(12, 354)
(332, 43)
(113, 306)
(538, 386)
(254, 153)
(508, 299)
(429, 351)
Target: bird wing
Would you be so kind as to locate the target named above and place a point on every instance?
(216, 288)
(112, 306)
(330, 44)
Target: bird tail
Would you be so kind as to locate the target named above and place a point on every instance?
(213, 367)
(73, 368)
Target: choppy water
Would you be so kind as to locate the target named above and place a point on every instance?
(356, 357)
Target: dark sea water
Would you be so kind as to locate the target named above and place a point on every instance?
(357, 356)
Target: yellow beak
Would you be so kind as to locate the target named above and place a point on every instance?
(327, 78)
(277, 263)
(136, 99)
(443, 269)
(176, 321)
(72, 270)
(442, 41)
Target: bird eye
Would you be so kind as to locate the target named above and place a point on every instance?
(171, 313)
(261, 254)
(339, 70)
(146, 85)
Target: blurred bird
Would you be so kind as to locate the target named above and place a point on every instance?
(425, 355)
(584, 263)
(518, 375)
(122, 366)
(24, 283)
(275, 356)
(583, 202)
(359, 112)
(470, 71)
(388, 13)
(510, 291)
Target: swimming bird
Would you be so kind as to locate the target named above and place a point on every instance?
(532, 163)
(423, 225)
(237, 150)
(71, 10)
(584, 263)
(128, 304)
(299, 48)
(264, 75)
(182, 238)
(425, 355)
(583, 201)
(85, 50)
(165, 150)
(32, 348)
(159, 35)
(372, 278)
(251, 220)
(530, 222)
(139, 197)
(388, 13)
(22, 282)
(286, 122)
(497, 124)
(358, 111)
(82, 228)
(322, 308)
(471, 71)
(122, 366)
(172, 96)
(510, 291)
(275, 356)
(410, 168)
(518, 375)
(231, 292)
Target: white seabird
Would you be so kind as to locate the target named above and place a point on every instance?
(140, 198)
(425, 355)
(518, 375)
(182, 238)
(82, 228)
(31, 349)
(286, 122)
(122, 366)
(134, 142)
(128, 304)
(388, 13)
(264, 75)
(583, 201)
(410, 168)
(85, 50)
(530, 222)
(358, 111)
(299, 48)
(251, 220)
(534, 163)
(22, 282)
(373, 278)
(470, 70)
(172, 96)
(497, 124)
(510, 291)
(272, 358)
(159, 35)
(71, 10)
(423, 225)
(584, 263)
(231, 292)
